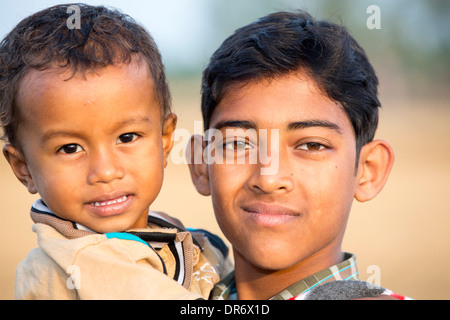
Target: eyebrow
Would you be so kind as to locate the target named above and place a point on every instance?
(235, 124)
(51, 134)
(314, 123)
(291, 126)
(130, 121)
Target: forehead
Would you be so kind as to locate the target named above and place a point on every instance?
(275, 103)
(42, 83)
(40, 89)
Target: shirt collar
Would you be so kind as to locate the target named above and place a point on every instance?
(346, 270)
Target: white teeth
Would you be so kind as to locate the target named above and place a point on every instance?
(122, 199)
(104, 203)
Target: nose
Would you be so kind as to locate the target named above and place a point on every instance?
(271, 183)
(104, 167)
(275, 181)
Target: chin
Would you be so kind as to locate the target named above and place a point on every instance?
(271, 259)
(117, 224)
(275, 263)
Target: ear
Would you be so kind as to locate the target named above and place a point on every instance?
(197, 167)
(375, 164)
(169, 125)
(19, 166)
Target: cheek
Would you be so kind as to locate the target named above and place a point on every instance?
(62, 191)
(330, 197)
(336, 176)
(226, 183)
(147, 171)
(49, 178)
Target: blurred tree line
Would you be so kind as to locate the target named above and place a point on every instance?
(414, 35)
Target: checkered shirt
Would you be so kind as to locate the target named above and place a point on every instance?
(346, 270)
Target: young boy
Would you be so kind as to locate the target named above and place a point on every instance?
(305, 91)
(86, 113)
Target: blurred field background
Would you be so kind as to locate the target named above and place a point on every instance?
(404, 232)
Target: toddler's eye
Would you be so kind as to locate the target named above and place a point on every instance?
(312, 146)
(127, 137)
(70, 148)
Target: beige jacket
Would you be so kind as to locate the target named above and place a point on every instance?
(163, 261)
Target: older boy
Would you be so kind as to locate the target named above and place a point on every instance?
(87, 116)
(311, 85)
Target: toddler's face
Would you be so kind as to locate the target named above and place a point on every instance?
(94, 145)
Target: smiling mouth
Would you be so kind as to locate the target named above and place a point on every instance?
(109, 202)
(110, 207)
(269, 209)
(270, 215)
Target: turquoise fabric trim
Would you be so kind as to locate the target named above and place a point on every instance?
(125, 236)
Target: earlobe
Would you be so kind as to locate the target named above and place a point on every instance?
(375, 164)
(169, 125)
(19, 166)
(197, 167)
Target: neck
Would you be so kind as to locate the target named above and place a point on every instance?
(256, 283)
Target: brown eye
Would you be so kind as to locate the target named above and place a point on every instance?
(312, 146)
(127, 137)
(70, 148)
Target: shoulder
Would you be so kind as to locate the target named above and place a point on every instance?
(202, 238)
(162, 218)
(350, 290)
(39, 277)
(214, 249)
(214, 240)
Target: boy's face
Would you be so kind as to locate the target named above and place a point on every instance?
(94, 146)
(277, 220)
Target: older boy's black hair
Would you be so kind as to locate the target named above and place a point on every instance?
(45, 39)
(283, 43)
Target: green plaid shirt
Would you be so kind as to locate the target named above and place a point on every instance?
(346, 270)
